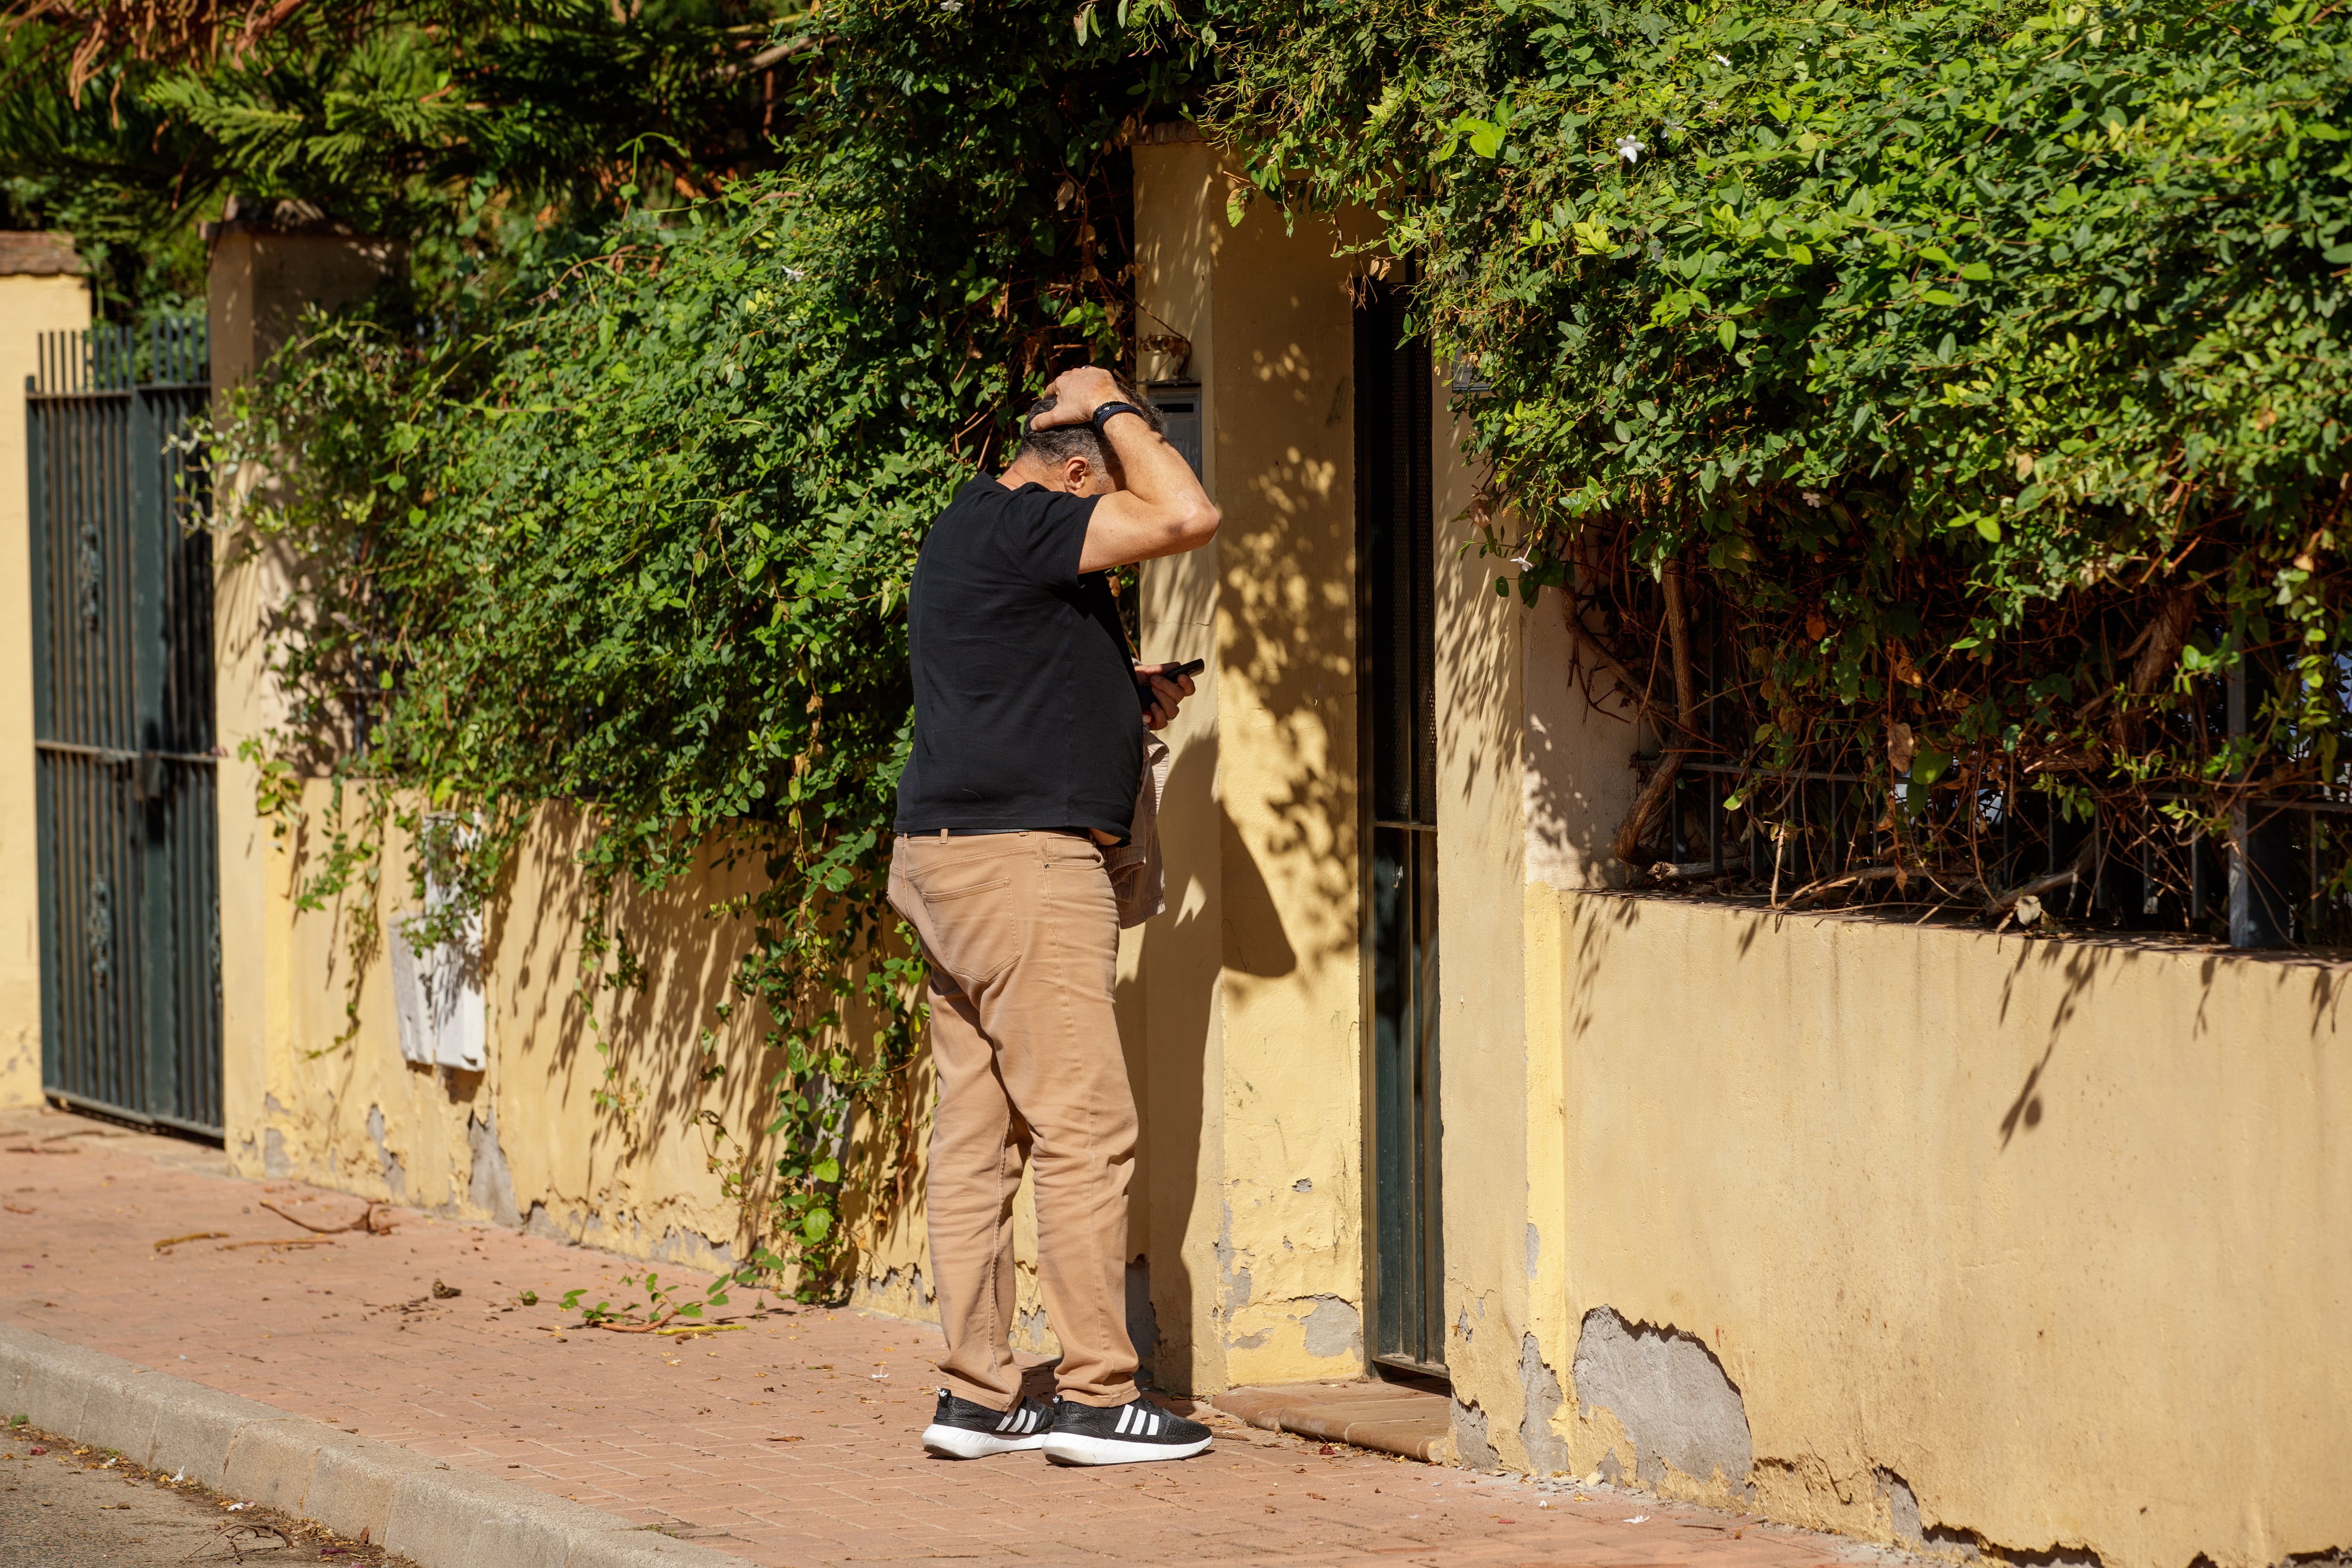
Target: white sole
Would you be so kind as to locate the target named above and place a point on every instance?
(1071, 1448)
(956, 1442)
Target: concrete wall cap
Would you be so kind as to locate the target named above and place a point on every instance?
(34, 254)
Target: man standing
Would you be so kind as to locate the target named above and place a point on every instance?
(1028, 751)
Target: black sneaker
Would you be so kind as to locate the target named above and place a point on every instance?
(1120, 1434)
(962, 1430)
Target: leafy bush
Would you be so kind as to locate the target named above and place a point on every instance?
(1974, 373)
(642, 542)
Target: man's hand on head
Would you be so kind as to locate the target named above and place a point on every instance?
(1165, 694)
(1075, 395)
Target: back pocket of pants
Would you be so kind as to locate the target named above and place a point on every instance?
(974, 934)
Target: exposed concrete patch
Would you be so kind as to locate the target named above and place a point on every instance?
(1470, 1443)
(1236, 1277)
(1546, 1449)
(395, 1177)
(538, 1222)
(1248, 1342)
(1333, 1327)
(692, 1249)
(1142, 1322)
(491, 1186)
(1535, 1249)
(1902, 1507)
(1030, 1325)
(273, 1160)
(269, 1103)
(1304, 1184)
(1671, 1394)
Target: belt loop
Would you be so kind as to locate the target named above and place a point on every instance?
(943, 833)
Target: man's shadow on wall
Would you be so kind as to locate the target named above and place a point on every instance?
(1169, 1064)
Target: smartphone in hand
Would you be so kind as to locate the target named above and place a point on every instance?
(1143, 679)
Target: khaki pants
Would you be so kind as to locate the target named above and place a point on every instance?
(1021, 930)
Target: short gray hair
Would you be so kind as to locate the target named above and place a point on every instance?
(1057, 444)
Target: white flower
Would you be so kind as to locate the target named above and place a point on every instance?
(1724, 60)
(1629, 149)
(795, 273)
(1523, 564)
(950, 6)
(1813, 498)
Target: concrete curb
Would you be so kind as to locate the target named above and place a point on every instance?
(422, 1508)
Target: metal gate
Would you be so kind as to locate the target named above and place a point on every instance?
(122, 725)
(1396, 544)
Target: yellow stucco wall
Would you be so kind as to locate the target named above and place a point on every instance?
(325, 1097)
(2053, 1234)
(1968, 1243)
(29, 306)
(311, 1092)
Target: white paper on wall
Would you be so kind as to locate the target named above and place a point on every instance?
(436, 994)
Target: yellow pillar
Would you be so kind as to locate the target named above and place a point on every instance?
(42, 289)
(1243, 1004)
(261, 278)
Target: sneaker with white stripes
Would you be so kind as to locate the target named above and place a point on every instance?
(1120, 1434)
(960, 1429)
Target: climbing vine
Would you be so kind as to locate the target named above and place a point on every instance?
(1932, 417)
(636, 544)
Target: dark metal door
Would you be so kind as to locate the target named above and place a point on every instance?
(122, 725)
(1396, 541)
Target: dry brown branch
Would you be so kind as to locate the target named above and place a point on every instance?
(2165, 633)
(1695, 871)
(376, 1219)
(1948, 887)
(775, 54)
(167, 32)
(1632, 843)
(2006, 903)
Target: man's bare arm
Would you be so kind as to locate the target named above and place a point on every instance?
(1161, 509)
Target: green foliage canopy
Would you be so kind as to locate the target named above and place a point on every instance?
(642, 545)
(1954, 357)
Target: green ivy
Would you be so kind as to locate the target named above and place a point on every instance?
(641, 543)
(1954, 357)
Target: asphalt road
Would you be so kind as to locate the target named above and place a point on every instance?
(59, 1511)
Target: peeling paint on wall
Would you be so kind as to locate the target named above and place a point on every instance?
(275, 1162)
(394, 1177)
(1470, 1443)
(1678, 1408)
(1236, 1277)
(489, 1186)
(1335, 1327)
(1902, 1509)
(1546, 1449)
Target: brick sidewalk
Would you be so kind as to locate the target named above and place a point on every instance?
(790, 1441)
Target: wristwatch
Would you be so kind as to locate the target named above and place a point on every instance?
(1103, 411)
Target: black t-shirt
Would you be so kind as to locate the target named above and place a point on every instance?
(1026, 713)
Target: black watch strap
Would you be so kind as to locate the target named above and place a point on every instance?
(1104, 411)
